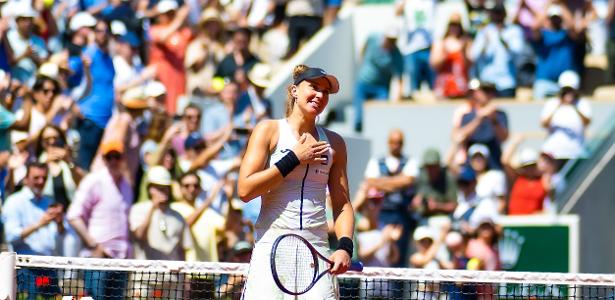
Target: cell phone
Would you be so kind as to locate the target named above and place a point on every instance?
(59, 143)
(242, 130)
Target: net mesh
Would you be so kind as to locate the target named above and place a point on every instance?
(53, 277)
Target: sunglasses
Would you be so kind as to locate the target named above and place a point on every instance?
(113, 156)
(188, 185)
(192, 116)
(48, 91)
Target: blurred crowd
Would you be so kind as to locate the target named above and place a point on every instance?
(510, 44)
(123, 123)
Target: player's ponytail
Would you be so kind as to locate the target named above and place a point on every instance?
(290, 100)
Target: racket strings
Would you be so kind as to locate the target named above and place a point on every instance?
(295, 264)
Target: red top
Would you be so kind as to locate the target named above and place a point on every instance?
(526, 197)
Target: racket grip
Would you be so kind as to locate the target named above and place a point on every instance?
(356, 266)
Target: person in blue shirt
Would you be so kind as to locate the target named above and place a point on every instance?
(34, 225)
(553, 41)
(382, 60)
(495, 50)
(95, 109)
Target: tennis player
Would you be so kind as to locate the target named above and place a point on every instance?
(290, 163)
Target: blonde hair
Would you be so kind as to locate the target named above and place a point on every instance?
(290, 100)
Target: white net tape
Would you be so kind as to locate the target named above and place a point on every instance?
(406, 274)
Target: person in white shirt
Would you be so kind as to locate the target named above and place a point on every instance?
(491, 183)
(566, 118)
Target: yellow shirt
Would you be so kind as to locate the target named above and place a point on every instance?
(204, 232)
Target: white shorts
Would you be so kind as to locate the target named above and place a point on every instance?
(260, 284)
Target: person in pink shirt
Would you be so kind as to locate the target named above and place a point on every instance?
(99, 215)
(484, 246)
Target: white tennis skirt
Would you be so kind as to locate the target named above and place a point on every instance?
(260, 284)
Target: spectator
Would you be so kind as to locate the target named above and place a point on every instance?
(381, 62)
(495, 51)
(427, 246)
(416, 40)
(44, 91)
(472, 209)
(229, 113)
(170, 38)
(160, 232)
(99, 214)
(8, 121)
(480, 121)
(34, 224)
(240, 57)
(553, 180)
(259, 79)
(190, 122)
(484, 246)
(204, 223)
(491, 183)
(553, 40)
(130, 71)
(394, 174)
(197, 158)
(377, 246)
(123, 127)
(436, 189)
(204, 53)
(448, 59)
(527, 14)
(304, 19)
(29, 50)
(95, 110)
(456, 244)
(63, 176)
(274, 42)
(529, 190)
(566, 118)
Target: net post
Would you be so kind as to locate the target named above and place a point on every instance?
(8, 276)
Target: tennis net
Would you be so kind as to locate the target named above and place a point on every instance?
(41, 277)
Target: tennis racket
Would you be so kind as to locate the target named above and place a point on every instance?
(295, 264)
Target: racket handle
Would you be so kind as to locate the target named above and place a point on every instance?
(356, 266)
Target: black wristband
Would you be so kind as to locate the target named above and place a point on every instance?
(346, 244)
(288, 163)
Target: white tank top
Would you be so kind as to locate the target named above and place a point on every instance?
(298, 203)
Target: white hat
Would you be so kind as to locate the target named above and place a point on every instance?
(165, 6)
(554, 10)
(260, 75)
(423, 232)
(528, 156)
(478, 149)
(118, 28)
(18, 136)
(569, 79)
(80, 20)
(158, 175)
(453, 239)
(50, 70)
(155, 89)
(392, 30)
(24, 11)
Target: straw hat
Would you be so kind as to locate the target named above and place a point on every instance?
(134, 98)
(260, 75)
(210, 15)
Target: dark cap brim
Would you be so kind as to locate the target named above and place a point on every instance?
(315, 73)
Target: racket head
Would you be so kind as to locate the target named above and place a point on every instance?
(294, 264)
